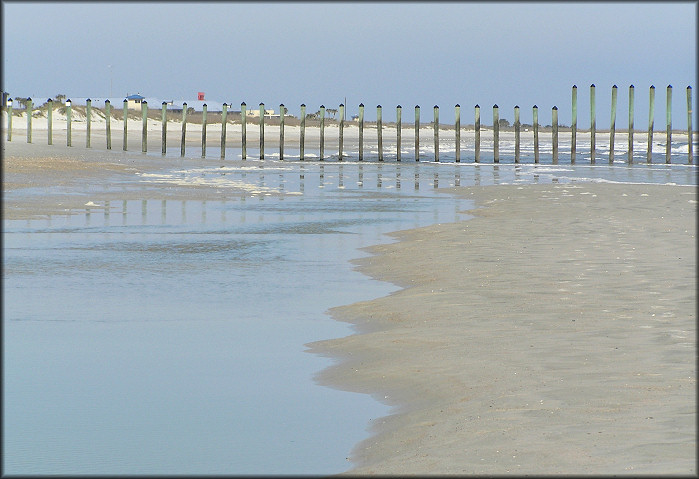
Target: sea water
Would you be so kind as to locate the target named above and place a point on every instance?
(167, 337)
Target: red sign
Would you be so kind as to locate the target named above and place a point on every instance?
(200, 96)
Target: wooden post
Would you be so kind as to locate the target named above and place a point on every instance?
(668, 111)
(224, 122)
(49, 115)
(612, 125)
(651, 121)
(417, 132)
(341, 133)
(69, 141)
(9, 119)
(554, 134)
(163, 134)
(496, 134)
(108, 118)
(689, 125)
(630, 152)
(322, 132)
(535, 121)
(243, 127)
(574, 124)
(282, 110)
(302, 137)
(592, 124)
(29, 119)
(379, 131)
(88, 121)
(204, 109)
(262, 131)
(361, 131)
(144, 133)
(125, 112)
(517, 134)
(436, 133)
(399, 130)
(457, 132)
(477, 127)
(184, 129)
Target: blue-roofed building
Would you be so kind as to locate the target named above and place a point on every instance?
(134, 101)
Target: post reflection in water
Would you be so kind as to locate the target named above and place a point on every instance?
(436, 179)
(144, 211)
(322, 176)
(398, 177)
(123, 212)
(203, 212)
(378, 176)
(417, 179)
(340, 180)
(163, 213)
(496, 174)
(360, 178)
(106, 212)
(302, 177)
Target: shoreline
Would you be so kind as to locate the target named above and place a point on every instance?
(553, 333)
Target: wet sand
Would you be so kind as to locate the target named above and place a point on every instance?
(553, 333)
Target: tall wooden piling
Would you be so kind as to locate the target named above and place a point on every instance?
(49, 115)
(262, 131)
(184, 129)
(125, 112)
(379, 131)
(518, 127)
(282, 111)
(436, 133)
(302, 132)
(163, 134)
(417, 132)
(9, 119)
(592, 124)
(496, 134)
(535, 125)
(612, 125)
(69, 107)
(322, 132)
(203, 130)
(399, 128)
(29, 110)
(477, 127)
(668, 112)
(574, 124)
(144, 133)
(651, 121)
(108, 123)
(361, 131)
(554, 135)
(341, 133)
(224, 122)
(243, 129)
(88, 121)
(690, 160)
(631, 114)
(457, 133)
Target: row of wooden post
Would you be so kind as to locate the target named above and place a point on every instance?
(457, 127)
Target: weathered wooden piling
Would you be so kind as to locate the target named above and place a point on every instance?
(322, 132)
(574, 124)
(399, 128)
(554, 134)
(436, 133)
(282, 110)
(690, 160)
(203, 130)
(88, 122)
(651, 121)
(496, 134)
(144, 133)
(163, 134)
(631, 114)
(9, 119)
(341, 133)
(417, 132)
(477, 127)
(243, 130)
(457, 133)
(29, 110)
(224, 122)
(184, 129)
(302, 132)
(518, 127)
(668, 114)
(125, 112)
(49, 116)
(612, 125)
(108, 123)
(379, 131)
(262, 131)
(361, 131)
(69, 140)
(592, 124)
(535, 125)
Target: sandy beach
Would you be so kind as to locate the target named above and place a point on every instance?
(553, 333)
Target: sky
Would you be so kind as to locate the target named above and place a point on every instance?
(407, 53)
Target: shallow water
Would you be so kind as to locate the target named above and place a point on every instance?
(162, 337)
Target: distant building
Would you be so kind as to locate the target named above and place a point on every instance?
(134, 102)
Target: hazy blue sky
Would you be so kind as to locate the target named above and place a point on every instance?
(375, 53)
